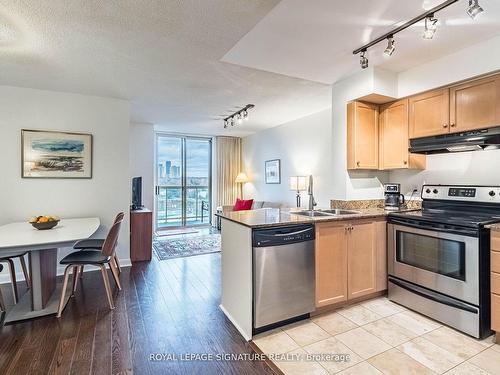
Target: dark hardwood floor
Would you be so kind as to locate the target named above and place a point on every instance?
(168, 307)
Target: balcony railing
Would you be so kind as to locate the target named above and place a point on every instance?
(169, 206)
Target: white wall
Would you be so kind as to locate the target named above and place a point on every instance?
(304, 147)
(103, 196)
(142, 159)
(472, 61)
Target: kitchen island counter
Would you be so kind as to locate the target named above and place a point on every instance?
(272, 217)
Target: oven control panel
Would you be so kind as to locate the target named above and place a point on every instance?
(462, 193)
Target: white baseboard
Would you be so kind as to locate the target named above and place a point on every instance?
(5, 276)
(240, 330)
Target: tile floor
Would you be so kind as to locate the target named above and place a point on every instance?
(378, 337)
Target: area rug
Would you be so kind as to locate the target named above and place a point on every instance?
(166, 248)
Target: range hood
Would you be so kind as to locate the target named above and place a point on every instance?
(474, 140)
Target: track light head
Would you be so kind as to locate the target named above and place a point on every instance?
(225, 124)
(474, 9)
(389, 50)
(245, 115)
(239, 119)
(430, 27)
(363, 60)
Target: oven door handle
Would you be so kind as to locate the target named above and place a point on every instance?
(429, 227)
(433, 295)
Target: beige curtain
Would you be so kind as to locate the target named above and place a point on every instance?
(228, 162)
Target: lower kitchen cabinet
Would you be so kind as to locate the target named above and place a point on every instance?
(351, 260)
(495, 283)
(331, 263)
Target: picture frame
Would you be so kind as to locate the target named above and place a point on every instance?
(56, 154)
(273, 171)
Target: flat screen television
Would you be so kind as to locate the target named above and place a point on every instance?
(136, 193)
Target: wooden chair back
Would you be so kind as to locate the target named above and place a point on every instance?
(108, 248)
(119, 217)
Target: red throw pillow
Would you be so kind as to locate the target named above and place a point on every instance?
(243, 205)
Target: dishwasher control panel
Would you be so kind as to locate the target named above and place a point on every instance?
(282, 235)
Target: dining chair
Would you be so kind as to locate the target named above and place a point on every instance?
(10, 261)
(76, 260)
(96, 244)
(2, 305)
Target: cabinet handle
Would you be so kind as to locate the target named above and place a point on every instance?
(405, 162)
(358, 163)
(352, 228)
(453, 125)
(445, 125)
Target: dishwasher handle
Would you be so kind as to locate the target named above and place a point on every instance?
(282, 235)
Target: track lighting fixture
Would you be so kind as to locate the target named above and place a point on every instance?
(389, 50)
(363, 60)
(474, 8)
(430, 27)
(238, 116)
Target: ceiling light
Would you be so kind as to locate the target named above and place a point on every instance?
(474, 8)
(238, 116)
(430, 27)
(363, 60)
(390, 46)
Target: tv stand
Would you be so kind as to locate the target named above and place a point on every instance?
(141, 235)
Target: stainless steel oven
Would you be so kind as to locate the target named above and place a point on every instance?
(439, 256)
(441, 260)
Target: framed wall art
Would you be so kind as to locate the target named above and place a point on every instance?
(54, 154)
(273, 171)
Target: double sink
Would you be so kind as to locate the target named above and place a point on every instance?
(319, 213)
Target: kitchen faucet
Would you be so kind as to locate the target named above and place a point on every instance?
(312, 202)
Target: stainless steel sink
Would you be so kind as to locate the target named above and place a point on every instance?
(310, 213)
(339, 212)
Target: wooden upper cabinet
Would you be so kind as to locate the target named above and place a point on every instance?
(362, 135)
(362, 260)
(475, 104)
(331, 263)
(394, 138)
(429, 113)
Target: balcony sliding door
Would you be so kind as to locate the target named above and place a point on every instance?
(183, 181)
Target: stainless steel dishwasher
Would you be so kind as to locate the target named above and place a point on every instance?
(283, 274)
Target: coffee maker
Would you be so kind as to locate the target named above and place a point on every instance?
(393, 196)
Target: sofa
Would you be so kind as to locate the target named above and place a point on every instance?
(255, 206)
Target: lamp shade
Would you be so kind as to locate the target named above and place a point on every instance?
(298, 183)
(241, 178)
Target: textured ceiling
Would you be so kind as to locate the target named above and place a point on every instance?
(314, 39)
(163, 55)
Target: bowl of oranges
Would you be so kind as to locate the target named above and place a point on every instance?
(44, 222)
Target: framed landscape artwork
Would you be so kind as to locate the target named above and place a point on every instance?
(273, 171)
(53, 154)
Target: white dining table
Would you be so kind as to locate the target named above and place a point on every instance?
(42, 246)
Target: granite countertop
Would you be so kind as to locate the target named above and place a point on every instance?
(495, 226)
(271, 217)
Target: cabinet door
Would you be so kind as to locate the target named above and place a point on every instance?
(429, 113)
(331, 263)
(475, 105)
(394, 135)
(362, 260)
(362, 136)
